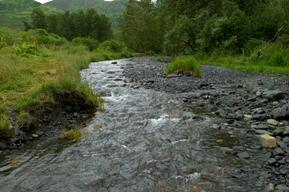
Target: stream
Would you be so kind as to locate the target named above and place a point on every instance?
(146, 140)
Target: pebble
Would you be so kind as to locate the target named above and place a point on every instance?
(273, 122)
(270, 188)
(244, 155)
(286, 139)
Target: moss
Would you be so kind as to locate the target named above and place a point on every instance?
(71, 136)
(5, 131)
(185, 64)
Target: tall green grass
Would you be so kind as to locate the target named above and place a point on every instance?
(185, 64)
(271, 59)
(35, 66)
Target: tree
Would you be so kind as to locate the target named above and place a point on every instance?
(38, 19)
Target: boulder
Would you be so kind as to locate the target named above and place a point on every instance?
(268, 141)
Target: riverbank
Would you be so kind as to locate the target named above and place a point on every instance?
(255, 104)
(41, 92)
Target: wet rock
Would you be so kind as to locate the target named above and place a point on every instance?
(271, 161)
(281, 113)
(278, 131)
(114, 62)
(262, 132)
(248, 117)
(244, 155)
(268, 141)
(35, 136)
(273, 122)
(278, 151)
(274, 95)
(260, 117)
(286, 139)
(5, 168)
(282, 188)
(286, 132)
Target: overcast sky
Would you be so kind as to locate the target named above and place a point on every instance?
(42, 1)
(45, 1)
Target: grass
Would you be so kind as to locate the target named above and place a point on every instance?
(71, 136)
(5, 130)
(36, 66)
(185, 64)
(273, 60)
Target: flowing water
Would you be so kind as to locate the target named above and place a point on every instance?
(144, 141)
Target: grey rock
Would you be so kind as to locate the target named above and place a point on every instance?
(278, 131)
(5, 168)
(282, 188)
(286, 139)
(271, 161)
(244, 155)
(281, 113)
(274, 95)
(286, 131)
(260, 132)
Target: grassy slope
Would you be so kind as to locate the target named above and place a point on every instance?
(29, 80)
(14, 12)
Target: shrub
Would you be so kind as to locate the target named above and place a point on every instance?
(5, 130)
(71, 136)
(42, 37)
(271, 55)
(185, 64)
(112, 45)
(26, 49)
(90, 43)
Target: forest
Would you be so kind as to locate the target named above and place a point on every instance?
(240, 31)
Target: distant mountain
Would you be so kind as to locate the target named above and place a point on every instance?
(14, 12)
(17, 5)
(110, 8)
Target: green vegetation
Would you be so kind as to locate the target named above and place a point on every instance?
(5, 130)
(111, 9)
(17, 5)
(185, 64)
(36, 67)
(248, 35)
(71, 25)
(71, 136)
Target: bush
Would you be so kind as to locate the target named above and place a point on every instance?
(5, 130)
(26, 49)
(89, 43)
(112, 45)
(185, 64)
(42, 37)
(271, 55)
